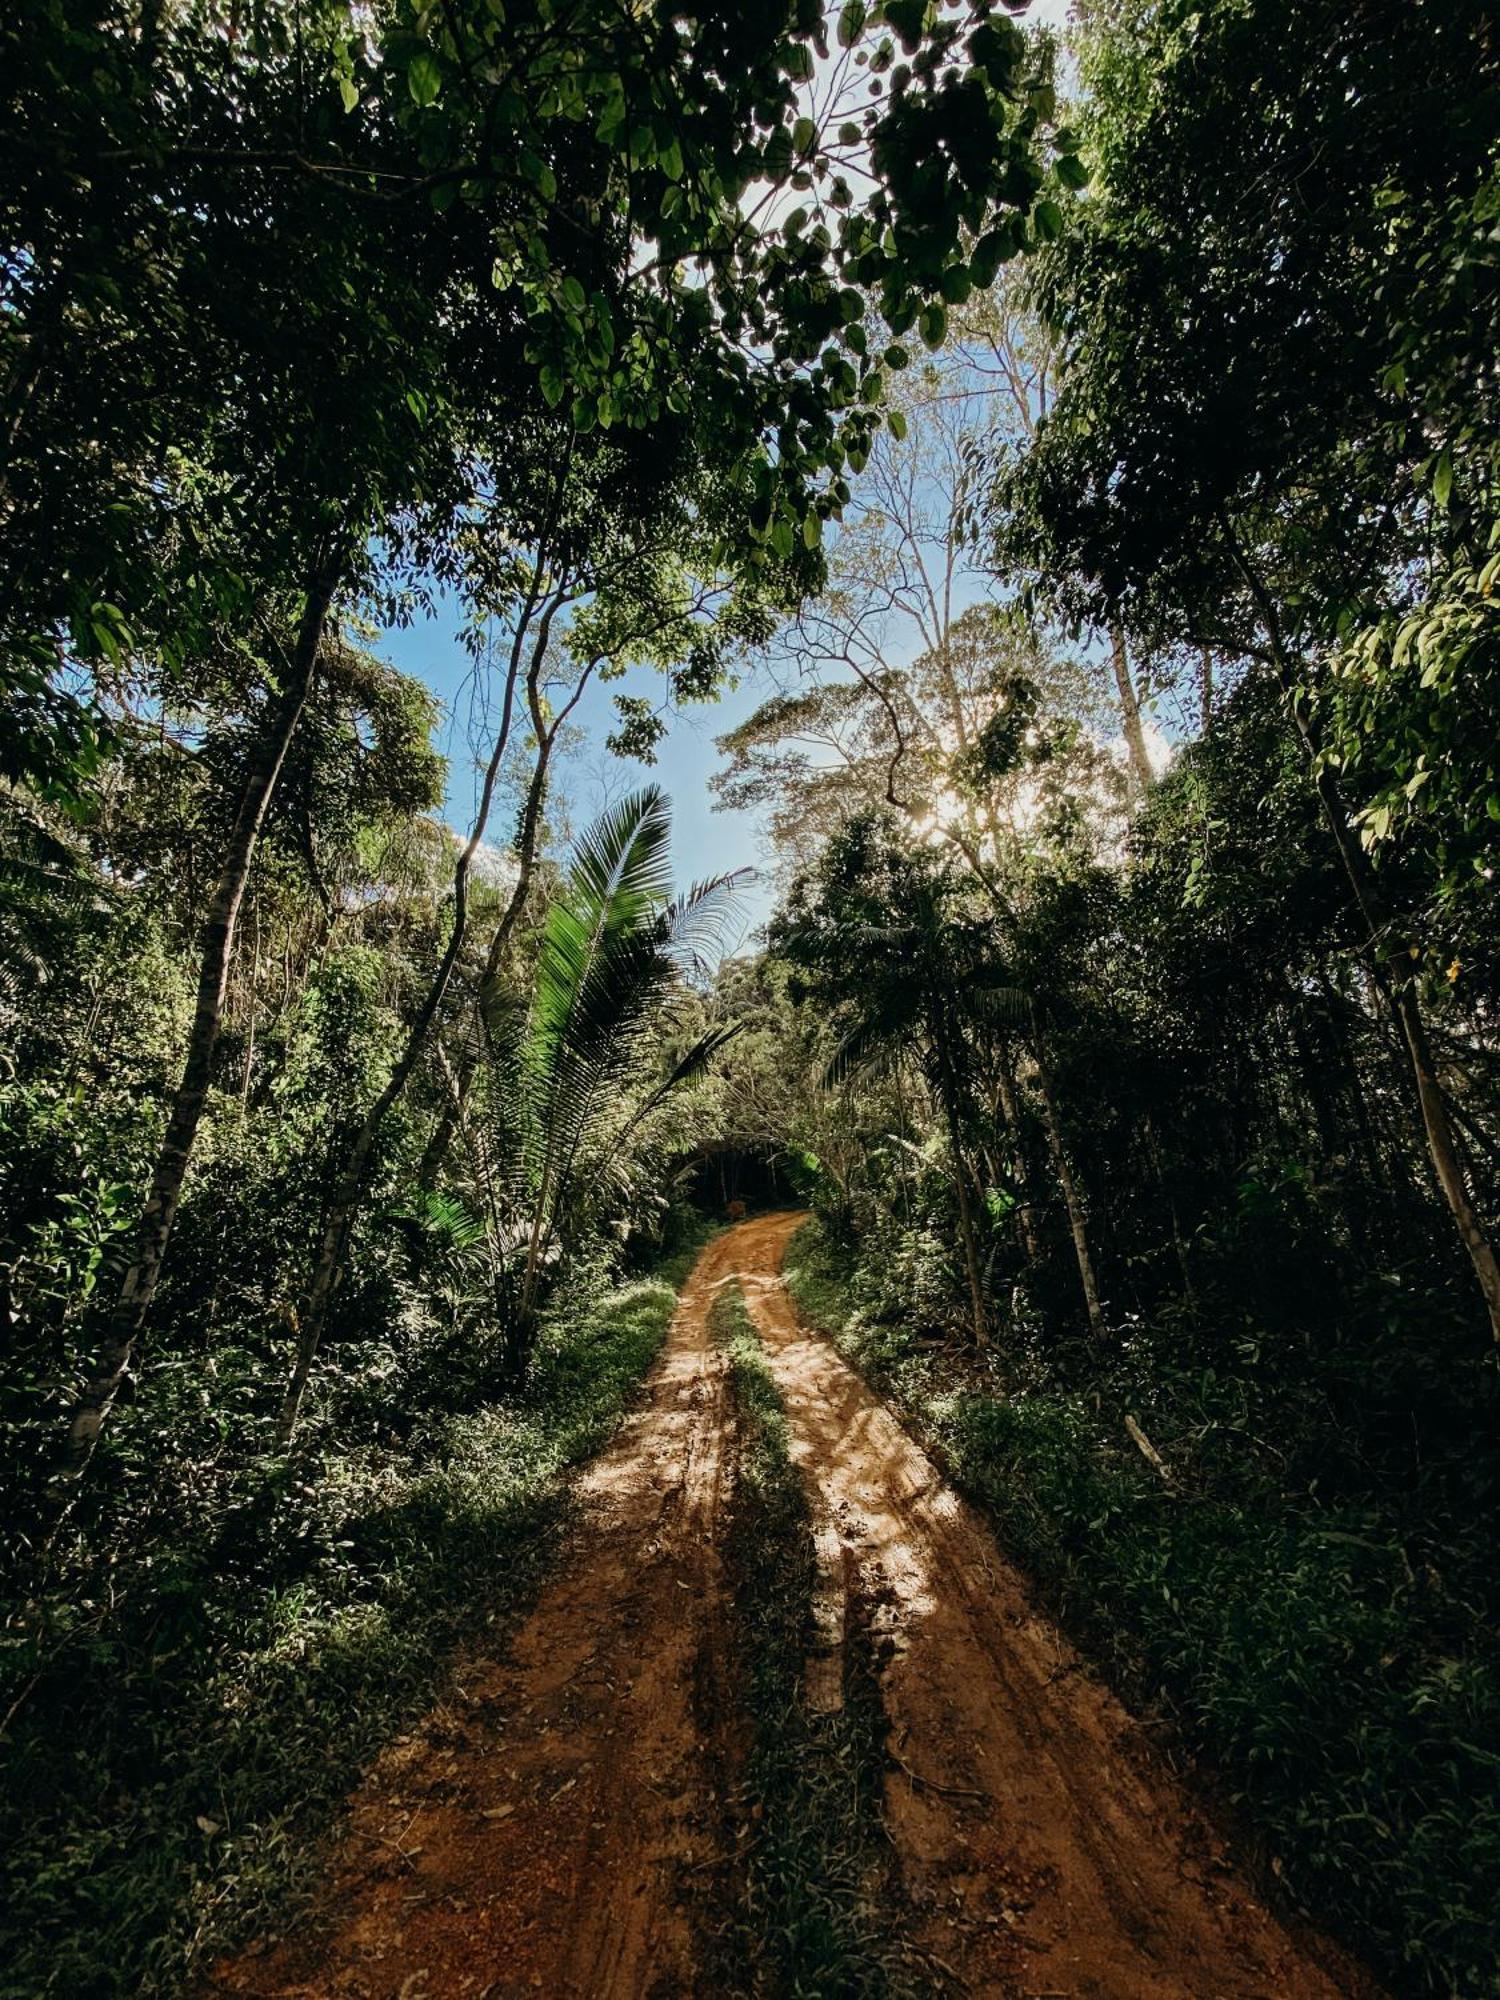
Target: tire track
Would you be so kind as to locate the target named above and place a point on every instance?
(1043, 1849)
(553, 1827)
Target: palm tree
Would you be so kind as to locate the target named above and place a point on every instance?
(578, 1084)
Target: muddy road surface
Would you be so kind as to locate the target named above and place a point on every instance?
(561, 1824)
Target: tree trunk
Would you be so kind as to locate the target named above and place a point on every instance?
(1179, 1242)
(435, 1152)
(349, 1188)
(1130, 710)
(1389, 964)
(154, 1229)
(1077, 1222)
(1025, 1214)
(966, 1230)
(436, 1149)
(1205, 687)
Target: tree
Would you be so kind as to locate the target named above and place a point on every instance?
(579, 1077)
(878, 937)
(1239, 454)
(324, 339)
(612, 576)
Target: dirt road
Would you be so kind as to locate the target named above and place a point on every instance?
(559, 1825)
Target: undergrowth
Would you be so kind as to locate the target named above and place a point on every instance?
(173, 1770)
(818, 1865)
(1340, 1676)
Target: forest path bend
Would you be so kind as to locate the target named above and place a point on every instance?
(558, 1825)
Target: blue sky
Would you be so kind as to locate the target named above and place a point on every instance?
(705, 842)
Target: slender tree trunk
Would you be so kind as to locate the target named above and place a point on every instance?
(1205, 688)
(1077, 1222)
(1026, 1213)
(348, 1190)
(966, 1228)
(154, 1229)
(1389, 964)
(250, 1030)
(436, 1149)
(435, 1152)
(1179, 1242)
(1130, 710)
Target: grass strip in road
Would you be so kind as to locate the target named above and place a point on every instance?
(818, 1868)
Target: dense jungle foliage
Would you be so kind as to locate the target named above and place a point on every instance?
(1086, 447)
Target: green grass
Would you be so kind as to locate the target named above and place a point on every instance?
(172, 1778)
(1348, 1700)
(809, 1921)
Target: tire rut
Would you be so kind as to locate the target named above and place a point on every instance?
(562, 1823)
(1043, 1849)
(553, 1825)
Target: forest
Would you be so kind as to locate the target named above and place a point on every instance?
(901, 1400)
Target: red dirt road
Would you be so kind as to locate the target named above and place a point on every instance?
(559, 1825)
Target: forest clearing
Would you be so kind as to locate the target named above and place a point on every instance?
(750, 999)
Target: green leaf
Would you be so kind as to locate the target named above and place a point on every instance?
(541, 176)
(1072, 172)
(812, 531)
(851, 22)
(993, 249)
(896, 424)
(804, 136)
(907, 17)
(424, 78)
(932, 324)
(1048, 218)
(1442, 477)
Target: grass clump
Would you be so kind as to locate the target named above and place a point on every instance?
(173, 1771)
(1344, 1685)
(818, 1867)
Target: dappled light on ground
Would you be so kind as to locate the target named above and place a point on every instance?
(561, 1823)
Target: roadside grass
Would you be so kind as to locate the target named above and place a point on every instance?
(1347, 1698)
(171, 1781)
(818, 1868)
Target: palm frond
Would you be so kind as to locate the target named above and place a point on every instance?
(867, 1044)
(1000, 1006)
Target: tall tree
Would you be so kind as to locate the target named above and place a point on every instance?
(1240, 455)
